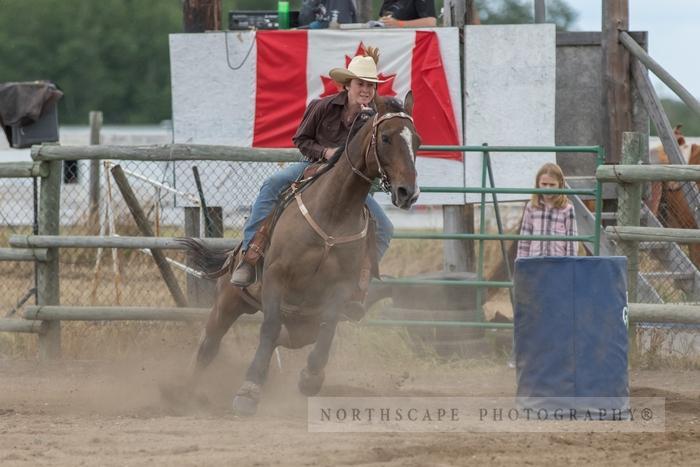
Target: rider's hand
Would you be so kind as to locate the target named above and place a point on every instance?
(328, 153)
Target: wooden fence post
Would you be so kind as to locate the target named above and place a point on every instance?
(458, 255)
(47, 272)
(94, 207)
(629, 205)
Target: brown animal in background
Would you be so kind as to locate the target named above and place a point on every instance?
(667, 200)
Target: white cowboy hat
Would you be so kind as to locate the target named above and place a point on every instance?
(359, 67)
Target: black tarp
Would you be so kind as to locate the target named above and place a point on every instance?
(24, 103)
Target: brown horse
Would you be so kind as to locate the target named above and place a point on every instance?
(667, 200)
(314, 260)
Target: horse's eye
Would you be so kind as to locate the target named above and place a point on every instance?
(385, 139)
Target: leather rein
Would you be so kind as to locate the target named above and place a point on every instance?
(330, 241)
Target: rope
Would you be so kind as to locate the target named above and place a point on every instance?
(245, 59)
(160, 185)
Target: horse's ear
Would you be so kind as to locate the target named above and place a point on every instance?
(380, 104)
(408, 103)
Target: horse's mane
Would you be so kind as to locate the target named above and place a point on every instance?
(393, 104)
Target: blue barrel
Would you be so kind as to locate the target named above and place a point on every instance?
(570, 329)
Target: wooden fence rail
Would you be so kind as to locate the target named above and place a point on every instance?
(647, 173)
(19, 325)
(121, 313)
(88, 241)
(166, 152)
(638, 313)
(22, 170)
(653, 234)
(16, 254)
(637, 50)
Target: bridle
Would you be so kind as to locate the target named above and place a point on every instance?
(384, 183)
(330, 241)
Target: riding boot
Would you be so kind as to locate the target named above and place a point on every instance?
(244, 274)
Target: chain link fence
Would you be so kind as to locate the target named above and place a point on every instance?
(671, 271)
(164, 190)
(17, 217)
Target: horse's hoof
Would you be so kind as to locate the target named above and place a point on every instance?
(246, 400)
(310, 383)
(175, 394)
(244, 406)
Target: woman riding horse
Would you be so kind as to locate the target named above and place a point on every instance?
(316, 254)
(324, 129)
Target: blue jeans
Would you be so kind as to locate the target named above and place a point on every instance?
(274, 185)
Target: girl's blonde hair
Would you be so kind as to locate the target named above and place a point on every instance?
(553, 170)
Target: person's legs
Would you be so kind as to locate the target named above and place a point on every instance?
(252, 244)
(267, 198)
(385, 229)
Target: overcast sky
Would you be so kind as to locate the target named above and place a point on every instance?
(673, 27)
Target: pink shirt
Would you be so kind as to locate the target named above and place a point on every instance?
(548, 221)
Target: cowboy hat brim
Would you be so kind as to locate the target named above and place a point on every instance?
(341, 75)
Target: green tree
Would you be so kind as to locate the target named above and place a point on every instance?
(110, 55)
(680, 114)
(522, 11)
(113, 55)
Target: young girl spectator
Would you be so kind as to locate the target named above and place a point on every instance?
(548, 215)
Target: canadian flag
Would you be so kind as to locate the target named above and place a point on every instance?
(292, 70)
(248, 88)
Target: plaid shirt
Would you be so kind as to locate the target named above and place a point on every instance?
(548, 221)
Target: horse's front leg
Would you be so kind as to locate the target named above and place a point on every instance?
(311, 377)
(248, 396)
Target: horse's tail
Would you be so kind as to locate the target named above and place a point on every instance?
(213, 262)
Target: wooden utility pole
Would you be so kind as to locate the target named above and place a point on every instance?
(201, 15)
(539, 11)
(458, 255)
(457, 13)
(473, 17)
(364, 11)
(616, 75)
(454, 13)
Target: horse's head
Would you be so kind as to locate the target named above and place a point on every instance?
(393, 147)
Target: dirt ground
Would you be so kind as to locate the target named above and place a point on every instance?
(110, 413)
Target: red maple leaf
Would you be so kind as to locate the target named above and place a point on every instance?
(330, 87)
